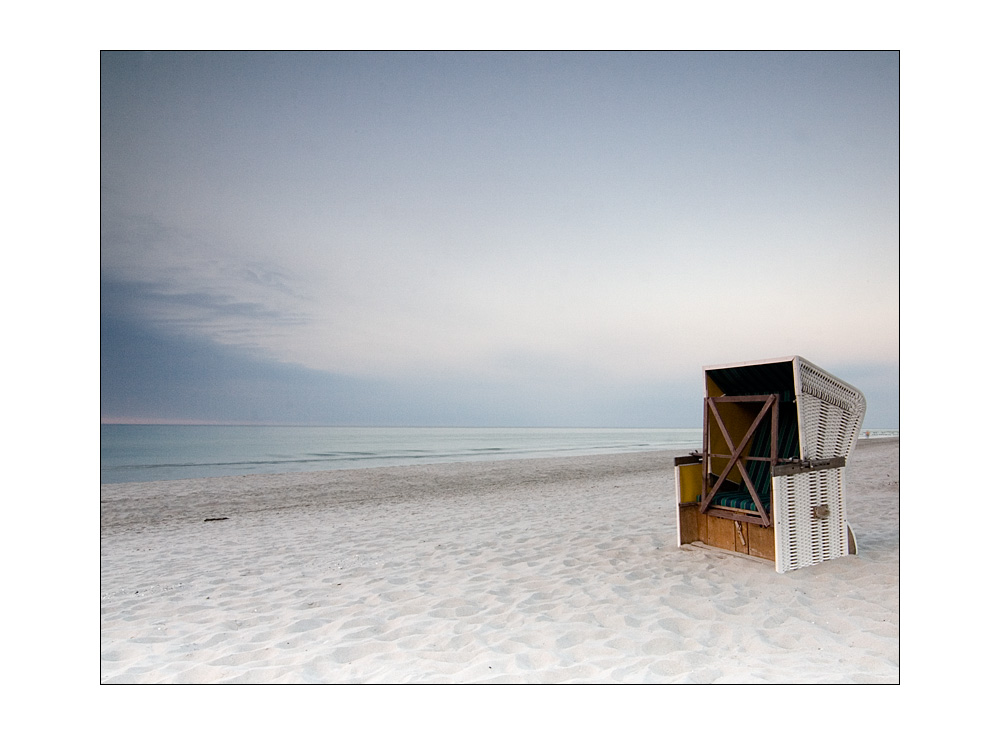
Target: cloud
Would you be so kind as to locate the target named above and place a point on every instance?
(148, 374)
(153, 376)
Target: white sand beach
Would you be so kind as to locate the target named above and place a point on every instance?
(520, 571)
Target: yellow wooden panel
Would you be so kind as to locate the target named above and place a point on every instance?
(690, 482)
(711, 389)
(737, 417)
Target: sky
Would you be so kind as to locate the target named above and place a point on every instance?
(491, 239)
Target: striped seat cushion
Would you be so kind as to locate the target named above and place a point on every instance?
(739, 499)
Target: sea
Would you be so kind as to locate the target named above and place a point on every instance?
(142, 453)
(145, 453)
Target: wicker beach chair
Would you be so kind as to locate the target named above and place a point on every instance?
(769, 480)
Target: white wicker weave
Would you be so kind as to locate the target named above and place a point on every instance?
(830, 413)
(800, 538)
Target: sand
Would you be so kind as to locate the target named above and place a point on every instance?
(526, 571)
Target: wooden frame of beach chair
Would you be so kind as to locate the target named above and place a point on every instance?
(711, 484)
(769, 479)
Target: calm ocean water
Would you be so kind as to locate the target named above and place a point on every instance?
(131, 453)
(142, 453)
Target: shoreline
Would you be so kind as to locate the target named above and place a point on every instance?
(523, 570)
(159, 500)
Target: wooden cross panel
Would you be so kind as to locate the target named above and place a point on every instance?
(736, 449)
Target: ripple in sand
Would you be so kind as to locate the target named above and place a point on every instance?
(357, 652)
(663, 645)
(301, 626)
